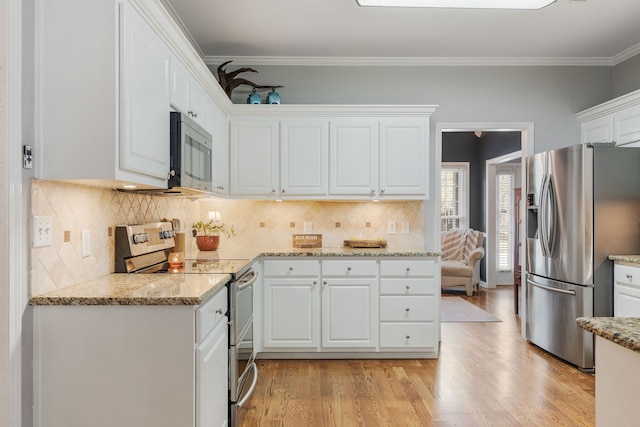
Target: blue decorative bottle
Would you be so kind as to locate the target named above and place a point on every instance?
(273, 97)
(254, 98)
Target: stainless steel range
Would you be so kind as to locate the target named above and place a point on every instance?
(146, 248)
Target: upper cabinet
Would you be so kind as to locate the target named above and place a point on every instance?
(105, 85)
(330, 152)
(144, 140)
(616, 121)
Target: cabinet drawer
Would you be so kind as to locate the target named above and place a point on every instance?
(407, 286)
(409, 309)
(626, 274)
(291, 268)
(209, 313)
(407, 268)
(407, 335)
(345, 268)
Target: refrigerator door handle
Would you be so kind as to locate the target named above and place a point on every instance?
(543, 217)
(549, 288)
(553, 200)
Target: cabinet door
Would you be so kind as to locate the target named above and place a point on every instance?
(254, 158)
(598, 130)
(180, 85)
(291, 313)
(304, 157)
(353, 162)
(199, 100)
(212, 372)
(350, 313)
(627, 126)
(404, 164)
(220, 151)
(144, 139)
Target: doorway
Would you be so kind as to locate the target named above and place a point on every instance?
(526, 131)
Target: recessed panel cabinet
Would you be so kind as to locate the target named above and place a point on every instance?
(330, 157)
(103, 94)
(616, 121)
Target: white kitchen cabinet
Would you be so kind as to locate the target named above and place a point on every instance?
(291, 304)
(144, 140)
(212, 367)
(403, 156)
(409, 295)
(353, 164)
(304, 157)
(616, 121)
(626, 290)
(220, 150)
(254, 156)
(103, 91)
(188, 96)
(349, 304)
(131, 365)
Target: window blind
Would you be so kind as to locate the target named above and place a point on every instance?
(454, 184)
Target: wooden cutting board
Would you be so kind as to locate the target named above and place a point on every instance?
(365, 243)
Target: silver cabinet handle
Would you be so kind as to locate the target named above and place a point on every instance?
(219, 311)
(373, 191)
(408, 336)
(284, 191)
(290, 268)
(629, 276)
(408, 287)
(382, 190)
(324, 283)
(348, 268)
(407, 309)
(315, 282)
(273, 190)
(408, 269)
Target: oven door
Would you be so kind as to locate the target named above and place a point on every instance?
(241, 307)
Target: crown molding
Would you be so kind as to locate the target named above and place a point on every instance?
(626, 54)
(411, 61)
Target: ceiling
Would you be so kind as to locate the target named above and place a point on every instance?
(330, 32)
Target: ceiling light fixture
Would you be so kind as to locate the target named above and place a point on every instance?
(460, 4)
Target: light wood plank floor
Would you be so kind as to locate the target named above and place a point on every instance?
(487, 375)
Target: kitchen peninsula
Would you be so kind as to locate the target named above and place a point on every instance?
(133, 344)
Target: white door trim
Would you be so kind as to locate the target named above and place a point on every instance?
(526, 148)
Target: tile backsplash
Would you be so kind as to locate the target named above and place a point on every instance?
(266, 225)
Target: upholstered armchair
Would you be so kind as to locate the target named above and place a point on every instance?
(461, 254)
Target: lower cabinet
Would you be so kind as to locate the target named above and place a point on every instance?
(131, 365)
(370, 305)
(626, 291)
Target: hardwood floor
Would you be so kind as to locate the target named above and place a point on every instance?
(487, 375)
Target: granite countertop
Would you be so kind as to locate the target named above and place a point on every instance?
(629, 259)
(190, 289)
(624, 331)
(138, 289)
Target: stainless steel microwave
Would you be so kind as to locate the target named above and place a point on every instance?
(190, 152)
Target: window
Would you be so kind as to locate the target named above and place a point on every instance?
(505, 226)
(454, 196)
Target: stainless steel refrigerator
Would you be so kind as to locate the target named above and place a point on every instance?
(583, 204)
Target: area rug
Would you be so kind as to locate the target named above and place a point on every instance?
(456, 309)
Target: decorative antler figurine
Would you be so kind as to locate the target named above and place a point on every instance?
(229, 81)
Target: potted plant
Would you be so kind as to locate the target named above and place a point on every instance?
(207, 234)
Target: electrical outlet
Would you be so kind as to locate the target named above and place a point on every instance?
(391, 227)
(42, 231)
(86, 243)
(406, 229)
(307, 228)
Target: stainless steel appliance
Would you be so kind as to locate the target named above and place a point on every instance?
(583, 204)
(243, 372)
(144, 248)
(190, 148)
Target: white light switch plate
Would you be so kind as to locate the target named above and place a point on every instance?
(391, 227)
(86, 243)
(405, 227)
(42, 231)
(307, 228)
